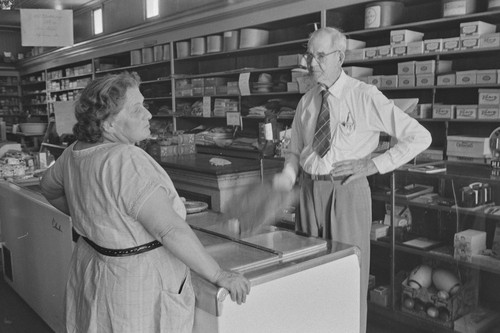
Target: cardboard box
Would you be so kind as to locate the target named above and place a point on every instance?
(375, 80)
(405, 36)
(370, 52)
(433, 45)
(489, 97)
(423, 80)
(476, 28)
(466, 77)
(415, 48)
(289, 60)
(389, 81)
(353, 55)
(466, 111)
(488, 112)
(197, 82)
(451, 44)
(378, 230)
(425, 67)
(292, 86)
(353, 44)
(399, 50)
(443, 111)
(355, 71)
(479, 320)
(487, 76)
(380, 295)
(446, 80)
(468, 243)
(215, 81)
(384, 51)
(467, 146)
(469, 42)
(406, 80)
(407, 67)
(489, 40)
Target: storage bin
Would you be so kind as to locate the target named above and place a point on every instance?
(135, 57)
(183, 49)
(214, 43)
(253, 38)
(383, 14)
(147, 55)
(231, 40)
(198, 46)
(458, 7)
(158, 53)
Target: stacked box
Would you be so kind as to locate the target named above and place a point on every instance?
(223, 105)
(466, 111)
(355, 71)
(404, 36)
(289, 60)
(451, 44)
(467, 146)
(489, 104)
(232, 88)
(468, 243)
(489, 40)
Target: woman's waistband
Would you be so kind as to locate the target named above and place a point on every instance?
(123, 252)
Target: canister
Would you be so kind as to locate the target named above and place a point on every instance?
(214, 43)
(135, 57)
(231, 40)
(158, 52)
(166, 51)
(198, 46)
(458, 7)
(183, 49)
(147, 55)
(253, 37)
(383, 14)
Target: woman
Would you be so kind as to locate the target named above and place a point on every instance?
(130, 269)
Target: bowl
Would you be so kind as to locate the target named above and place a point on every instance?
(33, 128)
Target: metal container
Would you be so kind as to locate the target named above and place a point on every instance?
(135, 57)
(198, 46)
(214, 43)
(147, 55)
(183, 49)
(231, 40)
(158, 52)
(458, 7)
(383, 14)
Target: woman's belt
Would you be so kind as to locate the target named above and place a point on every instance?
(327, 177)
(123, 252)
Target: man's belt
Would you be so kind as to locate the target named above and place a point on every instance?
(326, 177)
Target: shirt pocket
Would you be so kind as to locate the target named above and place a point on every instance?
(344, 137)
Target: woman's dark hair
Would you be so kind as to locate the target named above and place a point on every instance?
(101, 98)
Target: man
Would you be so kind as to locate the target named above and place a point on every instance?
(336, 127)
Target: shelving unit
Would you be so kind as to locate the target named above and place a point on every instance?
(10, 101)
(288, 35)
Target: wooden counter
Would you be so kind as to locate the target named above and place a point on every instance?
(196, 178)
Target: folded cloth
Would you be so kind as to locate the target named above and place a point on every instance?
(217, 161)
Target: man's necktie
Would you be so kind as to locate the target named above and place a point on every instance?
(321, 142)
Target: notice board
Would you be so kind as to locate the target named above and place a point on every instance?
(46, 27)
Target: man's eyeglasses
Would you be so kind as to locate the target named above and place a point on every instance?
(320, 57)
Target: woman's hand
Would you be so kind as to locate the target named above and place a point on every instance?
(237, 285)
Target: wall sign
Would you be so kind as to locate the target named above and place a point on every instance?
(46, 27)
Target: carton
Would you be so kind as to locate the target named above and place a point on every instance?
(353, 44)
(380, 295)
(384, 51)
(389, 81)
(433, 45)
(466, 77)
(469, 42)
(443, 111)
(405, 36)
(355, 71)
(489, 97)
(468, 243)
(476, 28)
(415, 48)
(407, 67)
(406, 80)
(423, 80)
(451, 44)
(485, 112)
(467, 146)
(370, 52)
(489, 40)
(487, 76)
(289, 60)
(446, 80)
(466, 112)
(399, 50)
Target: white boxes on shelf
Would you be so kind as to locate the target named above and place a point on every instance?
(467, 146)
(488, 112)
(469, 42)
(406, 80)
(446, 79)
(489, 97)
(415, 48)
(466, 111)
(253, 37)
(466, 77)
(433, 45)
(407, 67)
(433, 66)
(486, 76)
(476, 28)
(468, 243)
(443, 111)
(405, 36)
(355, 71)
(451, 44)
(353, 44)
(489, 40)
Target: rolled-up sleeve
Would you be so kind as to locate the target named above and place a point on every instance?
(412, 137)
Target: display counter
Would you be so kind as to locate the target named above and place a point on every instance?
(299, 284)
(195, 177)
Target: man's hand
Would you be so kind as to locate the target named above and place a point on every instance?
(354, 169)
(283, 182)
